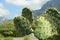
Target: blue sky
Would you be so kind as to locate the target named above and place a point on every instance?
(12, 8)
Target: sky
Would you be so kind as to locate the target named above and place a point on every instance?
(13, 8)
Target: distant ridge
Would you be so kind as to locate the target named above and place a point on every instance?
(51, 3)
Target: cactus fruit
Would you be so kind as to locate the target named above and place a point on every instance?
(22, 25)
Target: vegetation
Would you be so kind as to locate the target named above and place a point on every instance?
(26, 38)
(27, 14)
(7, 28)
(22, 25)
(7, 25)
(48, 25)
(7, 38)
(45, 27)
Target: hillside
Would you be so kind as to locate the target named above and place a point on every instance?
(51, 3)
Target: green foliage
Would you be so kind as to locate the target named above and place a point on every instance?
(1, 36)
(7, 28)
(16, 34)
(22, 25)
(28, 14)
(47, 25)
(43, 29)
(8, 38)
(26, 38)
(7, 25)
(54, 18)
(33, 26)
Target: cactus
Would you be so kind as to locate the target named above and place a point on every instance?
(22, 25)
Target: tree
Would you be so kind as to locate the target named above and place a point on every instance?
(26, 38)
(43, 28)
(28, 14)
(22, 25)
(47, 25)
(7, 28)
(54, 18)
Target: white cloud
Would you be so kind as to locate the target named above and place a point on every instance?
(33, 4)
(3, 11)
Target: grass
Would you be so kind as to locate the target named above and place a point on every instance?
(26, 38)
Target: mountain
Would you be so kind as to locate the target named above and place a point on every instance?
(51, 3)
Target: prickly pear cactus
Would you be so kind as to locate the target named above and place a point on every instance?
(22, 25)
(43, 29)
